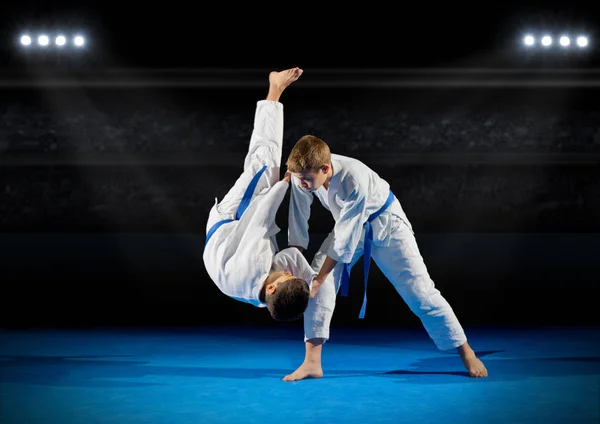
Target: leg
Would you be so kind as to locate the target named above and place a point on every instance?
(317, 317)
(267, 134)
(402, 263)
(264, 149)
(311, 367)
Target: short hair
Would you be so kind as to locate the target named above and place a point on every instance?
(289, 301)
(309, 153)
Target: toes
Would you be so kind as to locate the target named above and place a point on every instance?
(481, 373)
(478, 373)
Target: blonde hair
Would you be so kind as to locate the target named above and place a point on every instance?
(309, 153)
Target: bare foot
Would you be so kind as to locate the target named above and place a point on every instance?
(472, 363)
(305, 370)
(281, 80)
(475, 367)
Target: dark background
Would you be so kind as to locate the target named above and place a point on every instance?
(107, 175)
(181, 34)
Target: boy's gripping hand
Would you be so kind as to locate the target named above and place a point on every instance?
(315, 286)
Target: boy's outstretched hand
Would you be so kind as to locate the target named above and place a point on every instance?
(314, 288)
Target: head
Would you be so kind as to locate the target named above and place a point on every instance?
(310, 162)
(287, 297)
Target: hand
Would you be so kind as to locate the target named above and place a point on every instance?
(287, 177)
(316, 285)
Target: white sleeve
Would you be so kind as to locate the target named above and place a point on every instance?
(348, 228)
(298, 215)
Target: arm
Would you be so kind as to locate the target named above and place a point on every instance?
(326, 269)
(298, 215)
(347, 234)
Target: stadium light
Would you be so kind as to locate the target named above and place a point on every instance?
(548, 40)
(528, 40)
(48, 40)
(25, 40)
(43, 40)
(565, 41)
(582, 41)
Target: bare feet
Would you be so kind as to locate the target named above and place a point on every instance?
(472, 363)
(307, 369)
(475, 367)
(281, 80)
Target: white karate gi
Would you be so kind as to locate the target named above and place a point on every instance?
(355, 192)
(240, 254)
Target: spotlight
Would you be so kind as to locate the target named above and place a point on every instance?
(582, 41)
(546, 40)
(564, 41)
(43, 40)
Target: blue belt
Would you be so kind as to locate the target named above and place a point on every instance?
(242, 206)
(366, 256)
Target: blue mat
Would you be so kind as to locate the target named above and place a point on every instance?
(234, 375)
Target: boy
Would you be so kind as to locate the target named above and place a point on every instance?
(240, 253)
(368, 218)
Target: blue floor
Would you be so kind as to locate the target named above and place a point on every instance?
(233, 375)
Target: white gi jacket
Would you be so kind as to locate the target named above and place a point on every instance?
(355, 192)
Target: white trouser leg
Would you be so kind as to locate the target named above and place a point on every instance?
(318, 314)
(405, 268)
(264, 149)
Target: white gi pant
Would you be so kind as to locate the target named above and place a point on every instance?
(400, 260)
(265, 149)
